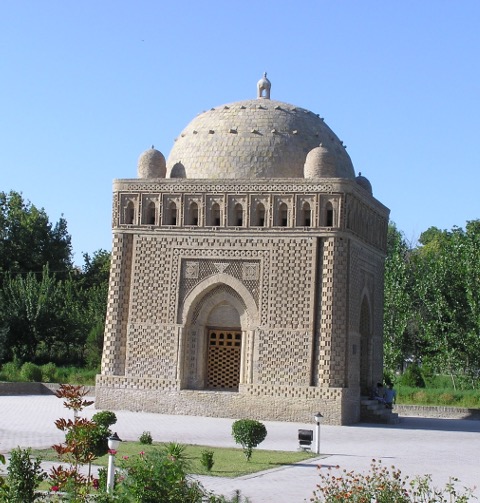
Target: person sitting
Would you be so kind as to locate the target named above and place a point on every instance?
(390, 396)
(378, 393)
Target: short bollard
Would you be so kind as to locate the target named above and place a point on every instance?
(113, 443)
(318, 417)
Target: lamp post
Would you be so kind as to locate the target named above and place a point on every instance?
(318, 417)
(113, 443)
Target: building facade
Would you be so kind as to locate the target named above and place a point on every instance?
(247, 272)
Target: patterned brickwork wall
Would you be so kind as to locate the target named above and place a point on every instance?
(366, 285)
(114, 348)
(366, 222)
(284, 357)
(152, 274)
(333, 324)
(339, 361)
(269, 403)
(152, 352)
(194, 272)
(196, 258)
(291, 284)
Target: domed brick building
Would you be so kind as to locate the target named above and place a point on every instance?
(247, 272)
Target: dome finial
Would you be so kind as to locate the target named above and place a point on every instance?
(264, 85)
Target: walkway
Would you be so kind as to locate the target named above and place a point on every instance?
(440, 447)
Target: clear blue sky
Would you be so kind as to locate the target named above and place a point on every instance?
(87, 86)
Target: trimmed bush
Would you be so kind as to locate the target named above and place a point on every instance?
(249, 433)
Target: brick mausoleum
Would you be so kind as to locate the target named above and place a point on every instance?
(247, 272)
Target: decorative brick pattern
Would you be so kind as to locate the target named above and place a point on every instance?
(152, 352)
(284, 358)
(293, 292)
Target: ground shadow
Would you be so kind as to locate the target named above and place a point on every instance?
(429, 423)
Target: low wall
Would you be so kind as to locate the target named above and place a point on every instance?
(437, 412)
(38, 388)
(34, 388)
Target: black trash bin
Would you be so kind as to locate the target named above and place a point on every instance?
(305, 439)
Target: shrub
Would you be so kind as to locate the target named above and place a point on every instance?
(24, 476)
(420, 397)
(99, 442)
(156, 476)
(206, 460)
(249, 433)
(31, 372)
(49, 372)
(412, 377)
(146, 438)
(104, 418)
(382, 485)
(11, 371)
(176, 452)
(446, 398)
(78, 447)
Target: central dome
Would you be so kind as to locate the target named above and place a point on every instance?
(259, 138)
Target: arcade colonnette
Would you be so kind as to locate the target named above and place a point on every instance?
(247, 272)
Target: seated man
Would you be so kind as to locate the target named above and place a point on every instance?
(378, 393)
(390, 396)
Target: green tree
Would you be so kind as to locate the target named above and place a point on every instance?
(398, 318)
(40, 319)
(29, 241)
(94, 284)
(248, 433)
(445, 268)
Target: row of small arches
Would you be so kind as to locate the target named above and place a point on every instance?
(236, 218)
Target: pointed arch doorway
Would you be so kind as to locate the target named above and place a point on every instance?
(216, 338)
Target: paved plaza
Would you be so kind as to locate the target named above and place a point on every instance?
(440, 447)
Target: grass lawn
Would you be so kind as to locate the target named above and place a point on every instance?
(228, 462)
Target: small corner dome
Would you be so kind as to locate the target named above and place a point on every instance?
(321, 162)
(151, 164)
(365, 183)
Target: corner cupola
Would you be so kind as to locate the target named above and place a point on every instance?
(151, 164)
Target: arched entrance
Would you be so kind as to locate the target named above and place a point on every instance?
(215, 336)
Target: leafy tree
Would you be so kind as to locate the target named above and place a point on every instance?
(398, 319)
(249, 433)
(94, 283)
(29, 241)
(40, 318)
(432, 302)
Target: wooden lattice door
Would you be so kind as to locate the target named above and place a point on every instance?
(223, 367)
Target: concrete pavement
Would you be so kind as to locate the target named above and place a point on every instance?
(418, 446)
